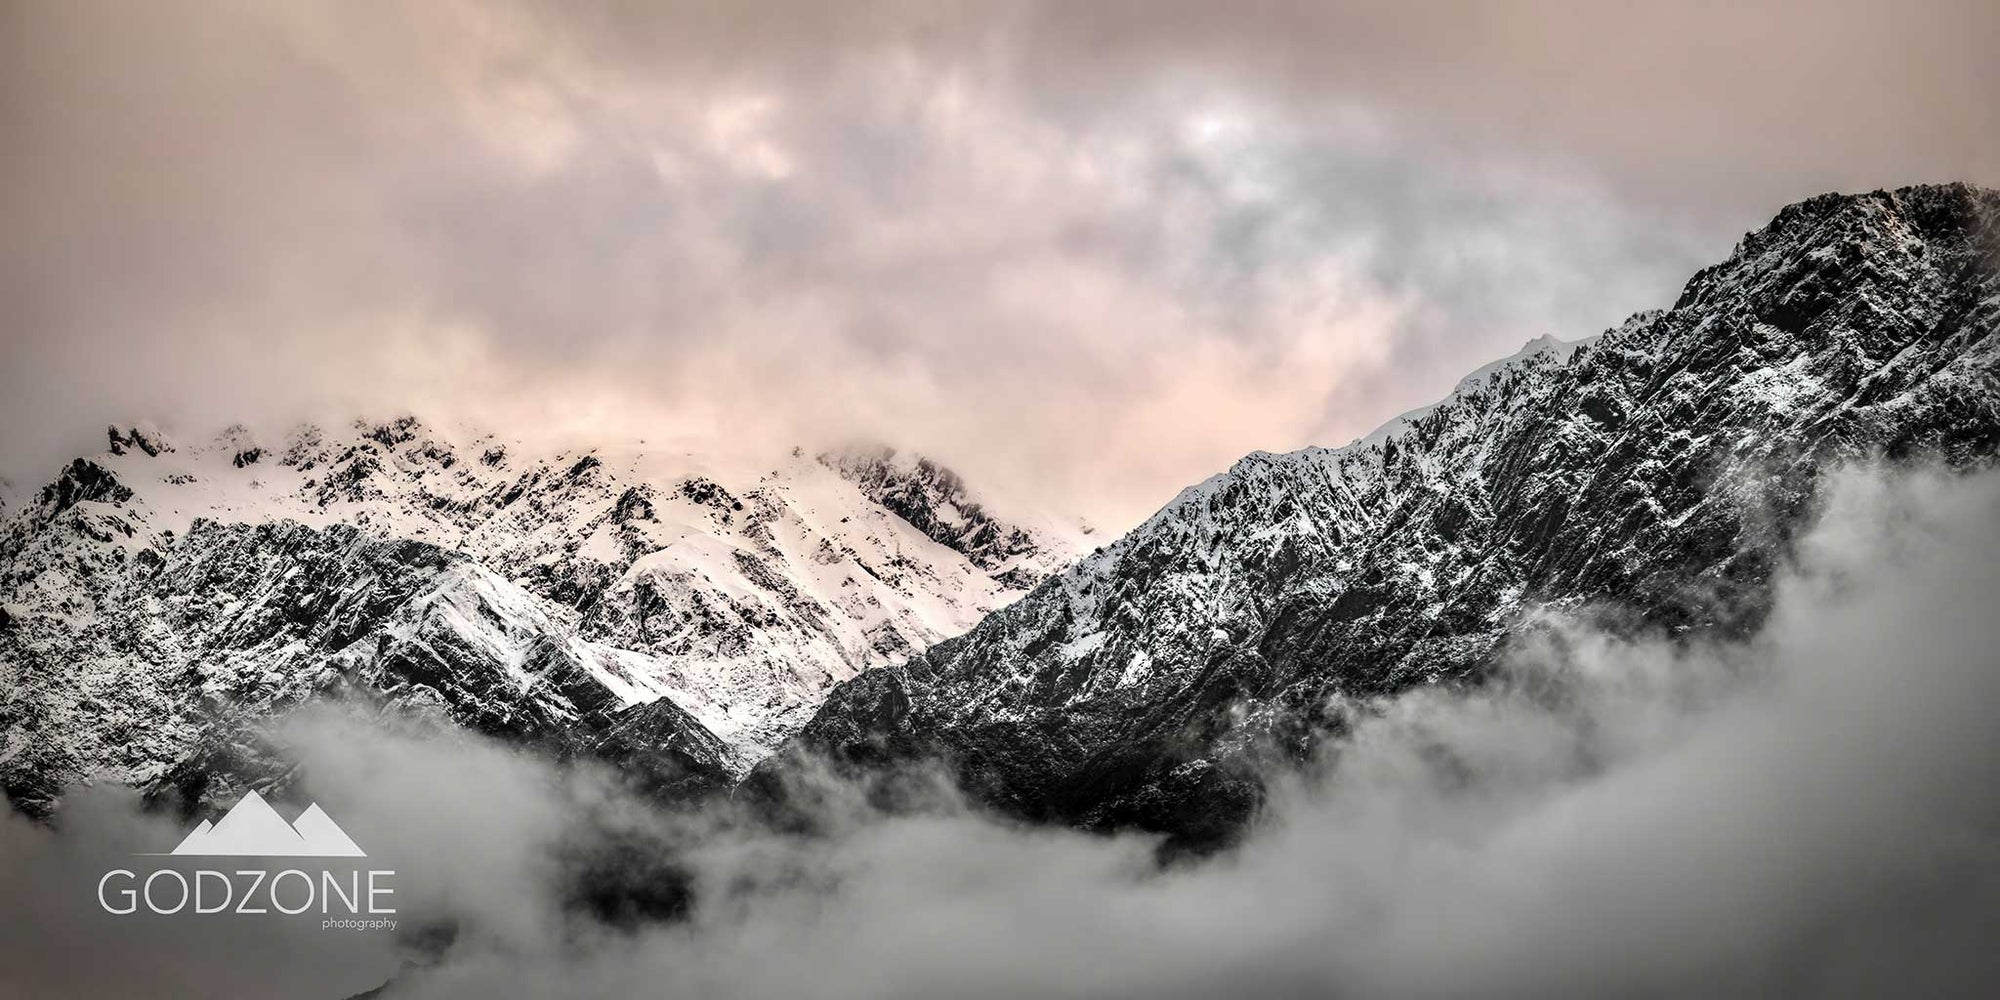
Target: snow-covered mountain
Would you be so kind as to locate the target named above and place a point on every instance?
(1659, 469)
(159, 598)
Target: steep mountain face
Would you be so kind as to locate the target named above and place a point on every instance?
(934, 500)
(1659, 469)
(157, 601)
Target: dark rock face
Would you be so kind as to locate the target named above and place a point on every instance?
(665, 750)
(137, 438)
(83, 481)
(1661, 469)
(934, 500)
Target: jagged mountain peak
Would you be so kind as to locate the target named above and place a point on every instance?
(143, 436)
(1933, 212)
(936, 501)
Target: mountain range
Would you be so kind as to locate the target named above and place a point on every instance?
(1650, 478)
(695, 625)
(677, 616)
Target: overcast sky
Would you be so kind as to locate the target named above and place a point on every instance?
(1090, 252)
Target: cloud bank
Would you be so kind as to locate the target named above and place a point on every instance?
(1807, 812)
(1091, 252)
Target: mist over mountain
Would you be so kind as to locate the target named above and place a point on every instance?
(1651, 663)
(685, 615)
(1658, 472)
(1014, 499)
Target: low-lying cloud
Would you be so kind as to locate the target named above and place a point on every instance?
(1807, 812)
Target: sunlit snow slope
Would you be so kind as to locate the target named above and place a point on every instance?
(158, 596)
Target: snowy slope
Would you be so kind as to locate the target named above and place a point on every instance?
(1659, 468)
(156, 587)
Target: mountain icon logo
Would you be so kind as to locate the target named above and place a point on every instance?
(252, 827)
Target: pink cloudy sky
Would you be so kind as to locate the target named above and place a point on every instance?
(1090, 252)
